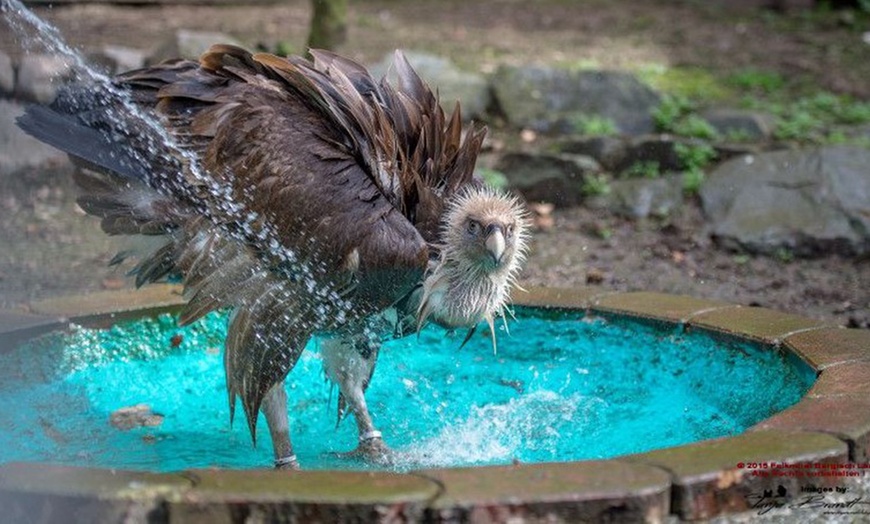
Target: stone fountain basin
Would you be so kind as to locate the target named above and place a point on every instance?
(830, 425)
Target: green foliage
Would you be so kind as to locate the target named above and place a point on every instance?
(694, 126)
(766, 82)
(596, 185)
(784, 255)
(694, 157)
(604, 233)
(689, 82)
(670, 110)
(737, 135)
(643, 169)
(811, 118)
(676, 114)
(836, 137)
(693, 180)
(284, 48)
(799, 125)
(595, 125)
(492, 177)
(801, 113)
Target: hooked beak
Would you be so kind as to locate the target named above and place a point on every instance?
(495, 242)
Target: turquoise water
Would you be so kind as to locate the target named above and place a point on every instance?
(560, 388)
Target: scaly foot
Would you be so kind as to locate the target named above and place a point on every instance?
(371, 448)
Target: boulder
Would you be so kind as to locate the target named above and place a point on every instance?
(737, 123)
(552, 99)
(185, 43)
(471, 90)
(40, 76)
(609, 151)
(7, 75)
(812, 202)
(554, 178)
(644, 197)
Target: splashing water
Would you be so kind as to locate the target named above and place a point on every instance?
(561, 388)
(139, 128)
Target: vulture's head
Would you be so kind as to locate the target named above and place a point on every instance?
(485, 234)
(484, 239)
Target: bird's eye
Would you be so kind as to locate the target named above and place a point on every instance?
(474, 227)
(509, 230)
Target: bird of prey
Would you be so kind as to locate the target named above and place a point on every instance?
(305, 196)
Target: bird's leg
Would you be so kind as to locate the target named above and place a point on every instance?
(349, 362)
(275, 409)
(371, 443)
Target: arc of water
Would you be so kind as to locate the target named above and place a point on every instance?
(31, 29)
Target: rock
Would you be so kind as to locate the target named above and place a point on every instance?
(551, 99)
(725, 151)
(554, 178)
(644, 197)
(18, 150)
(7, 75)
(811, 202)
(470, 89)
(654, 148)
(40, 76)
(736, 123)
(136, 416)
(189, 44)
(114, 59)
(609, 151)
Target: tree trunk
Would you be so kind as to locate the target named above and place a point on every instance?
(328, 24)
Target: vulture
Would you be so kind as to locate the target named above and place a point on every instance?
(304, 196)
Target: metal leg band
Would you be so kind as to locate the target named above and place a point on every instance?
(285, 461)
(369, 435)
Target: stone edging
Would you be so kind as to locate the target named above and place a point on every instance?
(830, 425)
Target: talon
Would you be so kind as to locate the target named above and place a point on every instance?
(370, 449)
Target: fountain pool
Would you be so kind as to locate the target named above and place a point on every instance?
(563, 387)
(455, 452)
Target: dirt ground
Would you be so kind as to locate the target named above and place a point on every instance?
(48, 247)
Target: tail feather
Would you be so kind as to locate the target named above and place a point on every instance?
(92, 148)
(155, 266)
(117, 170)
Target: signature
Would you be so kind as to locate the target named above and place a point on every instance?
(768, 501)
(855, 505)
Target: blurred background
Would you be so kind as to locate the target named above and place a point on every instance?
(719, 149)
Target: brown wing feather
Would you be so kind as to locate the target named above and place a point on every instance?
(334, 179)
(326, 152)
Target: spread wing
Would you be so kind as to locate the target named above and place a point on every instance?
(303, 194)
(321, 151)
